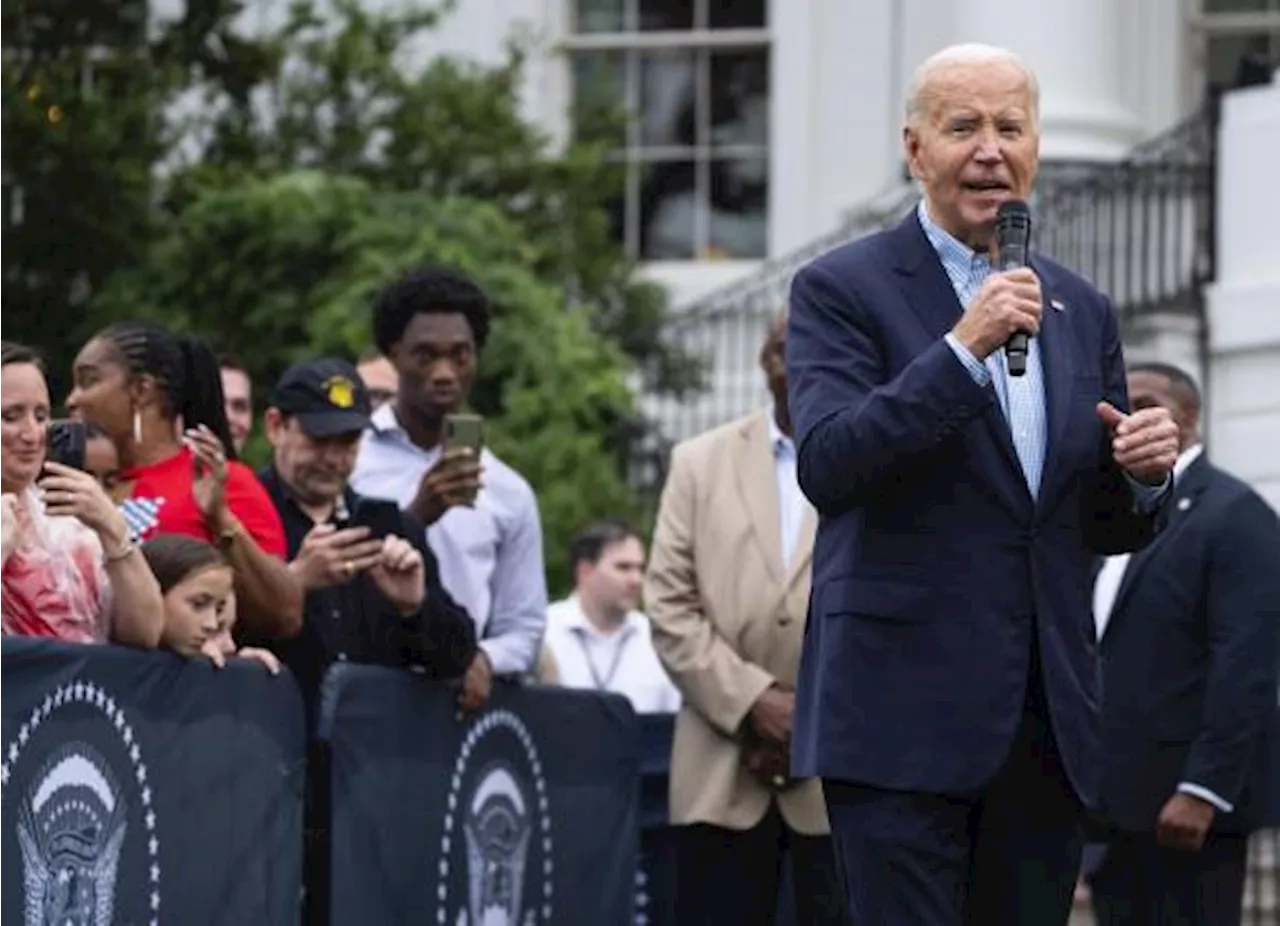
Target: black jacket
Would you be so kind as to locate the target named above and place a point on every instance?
(355, 621)
(1189, 656)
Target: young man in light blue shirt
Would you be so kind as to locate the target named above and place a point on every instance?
(481, 515)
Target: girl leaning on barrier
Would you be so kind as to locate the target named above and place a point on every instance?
(70, 570)
(159, 397)
(199, 600)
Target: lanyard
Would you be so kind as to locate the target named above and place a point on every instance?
(602, 684)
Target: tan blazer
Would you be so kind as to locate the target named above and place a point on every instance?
(727, 620)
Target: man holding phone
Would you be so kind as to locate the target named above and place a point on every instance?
(373, 591)
(481, 515)
(372, 584)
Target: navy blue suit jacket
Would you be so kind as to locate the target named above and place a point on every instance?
(1189, 656)
(933, 565)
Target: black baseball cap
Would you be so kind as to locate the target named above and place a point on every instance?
(327, 397)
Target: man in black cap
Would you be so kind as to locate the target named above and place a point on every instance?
(373, 591)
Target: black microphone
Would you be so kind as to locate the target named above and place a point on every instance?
(1013, 239)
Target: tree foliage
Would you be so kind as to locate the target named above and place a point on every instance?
(295, 260)
(258, 187)
(348, 94)
(82, 87)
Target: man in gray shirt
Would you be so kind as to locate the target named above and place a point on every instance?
(481, 515)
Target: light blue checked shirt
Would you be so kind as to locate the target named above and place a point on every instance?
(1021, 397)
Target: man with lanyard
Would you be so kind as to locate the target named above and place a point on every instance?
(596, 639)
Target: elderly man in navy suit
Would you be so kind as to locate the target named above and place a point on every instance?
(947, 690)
(1187, 631)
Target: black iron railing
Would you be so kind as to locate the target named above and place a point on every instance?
(1141, 229)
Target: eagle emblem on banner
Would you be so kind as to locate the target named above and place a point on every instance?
(71, 829)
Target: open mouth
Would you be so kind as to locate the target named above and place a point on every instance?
(986, 186)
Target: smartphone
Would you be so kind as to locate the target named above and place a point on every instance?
(382, 517)
(464, 430)
(66, 443)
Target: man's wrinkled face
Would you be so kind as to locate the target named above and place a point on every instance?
(975, 146)
(316, 469)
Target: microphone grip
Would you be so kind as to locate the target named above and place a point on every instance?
(1015, 352)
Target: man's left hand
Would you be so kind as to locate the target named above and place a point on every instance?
(1184, 822)
(400, 575)
(477, 684)
(1143, 444)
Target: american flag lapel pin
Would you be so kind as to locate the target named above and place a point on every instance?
(1057, 305)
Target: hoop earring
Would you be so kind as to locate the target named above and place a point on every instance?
(137, 426)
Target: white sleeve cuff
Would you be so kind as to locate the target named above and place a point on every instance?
(1205, 794)
(975, 367)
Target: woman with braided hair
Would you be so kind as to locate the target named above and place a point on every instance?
(159, 397)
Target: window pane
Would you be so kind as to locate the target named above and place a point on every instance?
(740, 98)
(669, 204)
(599, 97)
(600, 16)
(667, 109)
(739, 209)
(666, 14)
(736, 14)
(1229, 57)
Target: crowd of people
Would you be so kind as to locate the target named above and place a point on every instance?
(365, 538)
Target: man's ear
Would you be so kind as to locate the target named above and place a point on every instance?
(274, 422)
(911, 150)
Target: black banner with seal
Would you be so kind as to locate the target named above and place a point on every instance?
(525, 814)
(143, 788)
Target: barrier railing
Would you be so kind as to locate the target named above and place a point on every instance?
(524, 814)
(142, 788)
(145, 789)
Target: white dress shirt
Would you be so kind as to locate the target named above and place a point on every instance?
(1107, 586)
(622, 661)
(792, 504)
(490, 555)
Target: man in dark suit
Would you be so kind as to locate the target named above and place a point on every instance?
(1187, 632)
(947, 685)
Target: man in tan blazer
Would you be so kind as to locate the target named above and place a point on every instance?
(727, 590)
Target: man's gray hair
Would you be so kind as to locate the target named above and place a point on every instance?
(919, 93)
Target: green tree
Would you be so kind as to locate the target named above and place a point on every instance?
(82, 86)
(293, 261)
(345, 99)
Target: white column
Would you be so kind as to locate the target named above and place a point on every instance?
(1244, 302)
(1076, 50)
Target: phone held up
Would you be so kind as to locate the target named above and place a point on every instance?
(464, 430)
(380, 516)
(66, 443)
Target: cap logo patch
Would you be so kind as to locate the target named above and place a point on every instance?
(341, 391)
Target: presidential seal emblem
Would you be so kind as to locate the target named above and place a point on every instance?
(495, 852)
(75, 785)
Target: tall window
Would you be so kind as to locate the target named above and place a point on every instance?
(1235, 41)
(693, 78)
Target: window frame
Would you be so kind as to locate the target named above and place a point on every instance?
(702, 42)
